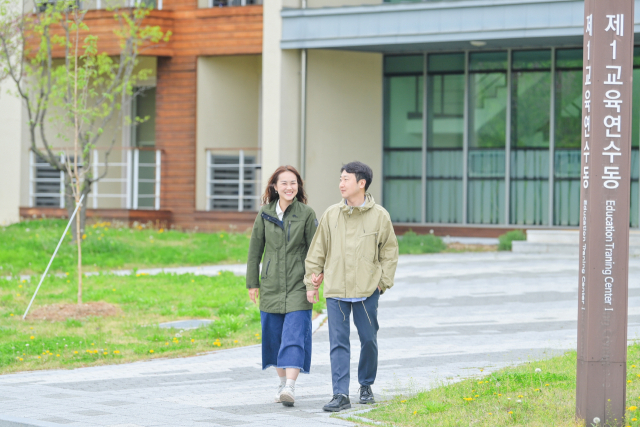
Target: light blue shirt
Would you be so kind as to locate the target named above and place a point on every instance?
(353, 299)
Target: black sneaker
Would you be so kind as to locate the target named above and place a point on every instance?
(366, 395)
(338, 403)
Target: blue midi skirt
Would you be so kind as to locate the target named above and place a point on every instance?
(286, 340)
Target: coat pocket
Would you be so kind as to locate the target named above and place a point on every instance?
(265, 269)
(368, 276)
(367, 246)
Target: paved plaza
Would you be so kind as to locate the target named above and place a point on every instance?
(448, 316)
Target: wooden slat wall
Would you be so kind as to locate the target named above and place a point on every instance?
(176, 135)
(195, 32)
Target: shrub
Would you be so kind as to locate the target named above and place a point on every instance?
(412, 243)
(504, 241)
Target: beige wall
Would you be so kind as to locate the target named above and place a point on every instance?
(10, 121)
(227, 109)
(280, 94)
(115, 130)
(344, 121)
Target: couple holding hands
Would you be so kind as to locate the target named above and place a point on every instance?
(353, 249)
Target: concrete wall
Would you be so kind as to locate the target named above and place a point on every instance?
(344, 121)
(339, 3)
(280, 94)
(10, 165)
(228, 108)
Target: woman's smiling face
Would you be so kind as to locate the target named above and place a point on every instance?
(287, 186)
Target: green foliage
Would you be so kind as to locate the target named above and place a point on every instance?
(28, 245)
(145, 302)
(412, 243)
(535, 394)
(504, 240)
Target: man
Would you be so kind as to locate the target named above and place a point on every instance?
(357, 250)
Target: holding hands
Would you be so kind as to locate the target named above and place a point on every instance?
(314, 295)
(317, 280)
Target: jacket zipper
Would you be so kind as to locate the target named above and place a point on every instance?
(266, 272)
(289, 232)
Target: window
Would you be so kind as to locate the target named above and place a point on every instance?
(403, 122)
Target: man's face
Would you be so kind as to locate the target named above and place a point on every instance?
(349, 185)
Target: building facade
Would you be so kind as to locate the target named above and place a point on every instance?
(469, 113)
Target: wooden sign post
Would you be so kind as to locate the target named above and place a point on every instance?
(604, 212)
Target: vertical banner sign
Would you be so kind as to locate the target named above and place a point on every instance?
(604, 212)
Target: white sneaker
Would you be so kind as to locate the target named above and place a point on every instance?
(280, 387)
(288, 395)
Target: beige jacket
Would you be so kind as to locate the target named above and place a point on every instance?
(356, 248)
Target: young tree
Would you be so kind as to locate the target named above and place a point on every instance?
(66, 81)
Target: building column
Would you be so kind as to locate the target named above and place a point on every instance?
(11, 147)
(280, 140)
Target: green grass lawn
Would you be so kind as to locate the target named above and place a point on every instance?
(27, 247)
(514, 396)
(144, 300)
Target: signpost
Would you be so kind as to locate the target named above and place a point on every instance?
(604, 211)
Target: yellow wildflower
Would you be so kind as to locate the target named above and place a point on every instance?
(150, 351)
(632, 408)
(31, 337)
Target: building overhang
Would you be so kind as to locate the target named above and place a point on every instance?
(438, 26)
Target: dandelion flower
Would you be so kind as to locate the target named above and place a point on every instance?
(477, 395)
(39, 357)
(634, 419)
(632, 408)
(192, 340)
(57, 355)
(116, 352)
(633, 366)
(32, 337)
(150, 351)
(11, 315)
(468, 399)
(21, 359)
(75, 352)
(402, 401)
(510, 412)
(415, 412)
(520, 396)
(546, 385)
(84, 236)
(235, 341)
(490, 413)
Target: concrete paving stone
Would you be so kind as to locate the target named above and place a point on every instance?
(447, 317)
(91, 413)
(58, 420)
(114, 403)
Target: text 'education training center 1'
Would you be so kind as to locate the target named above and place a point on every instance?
(469, 113)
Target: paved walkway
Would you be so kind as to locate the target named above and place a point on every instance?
(448, 316)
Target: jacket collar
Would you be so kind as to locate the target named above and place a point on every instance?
(270, 208)
(368, 204)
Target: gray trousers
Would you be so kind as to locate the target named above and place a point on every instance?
(365, 317)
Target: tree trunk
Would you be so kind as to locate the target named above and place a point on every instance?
(81, 216)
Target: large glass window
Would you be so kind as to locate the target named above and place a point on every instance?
(403, 123)
(487, 137)
(533, 95)
(445, 135)
(568, 116)
(530, 120)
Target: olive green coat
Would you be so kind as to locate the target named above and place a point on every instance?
(282, 247)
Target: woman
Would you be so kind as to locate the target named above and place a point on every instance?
(281, 236)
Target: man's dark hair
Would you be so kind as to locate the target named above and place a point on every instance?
(361, 171)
